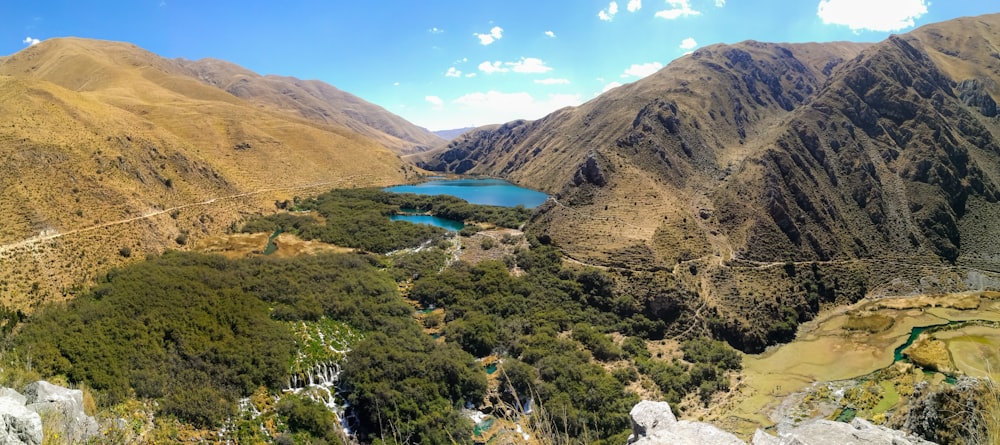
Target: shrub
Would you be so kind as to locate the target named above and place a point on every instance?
(487, 243)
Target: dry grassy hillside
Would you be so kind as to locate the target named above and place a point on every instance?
(634, 167)
(111, 152)
(843, 158)
(317, 101)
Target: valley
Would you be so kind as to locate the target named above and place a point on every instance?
(759, 234)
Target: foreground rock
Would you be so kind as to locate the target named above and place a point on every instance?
(63, 407)
(21, 415)
(18, 424)
(654, 424)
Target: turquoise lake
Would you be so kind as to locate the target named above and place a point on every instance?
(446, 224)
(495, 192)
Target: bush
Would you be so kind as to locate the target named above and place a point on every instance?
(303, 415)
(487, 243)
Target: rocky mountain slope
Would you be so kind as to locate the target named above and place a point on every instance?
(110, 151)
(739, 158)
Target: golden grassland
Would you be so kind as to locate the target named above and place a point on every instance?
(112, 153)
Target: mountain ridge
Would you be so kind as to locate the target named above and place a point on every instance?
(843, 158)
(315, 100)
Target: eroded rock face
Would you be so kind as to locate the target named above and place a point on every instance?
(18, 424)
(654, 424)
(590, 172)
(63, 406)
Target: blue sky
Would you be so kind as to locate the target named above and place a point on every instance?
(455, 63)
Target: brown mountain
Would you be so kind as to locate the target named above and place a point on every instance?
(856, 159)
(318, 101)
(110, 151)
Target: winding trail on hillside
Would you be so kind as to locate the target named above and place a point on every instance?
(50, 234)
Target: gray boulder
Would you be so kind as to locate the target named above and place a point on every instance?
(654, 424)
(10, 393)
(18, 425)
(64, 407)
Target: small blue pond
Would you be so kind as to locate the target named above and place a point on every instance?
(495, 192)
(447, 224)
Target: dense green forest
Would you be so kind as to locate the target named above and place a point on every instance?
(198, 332)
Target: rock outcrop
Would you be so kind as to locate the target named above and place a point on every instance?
(18, 424)
(589, 172)
(654, 424)
(828, 432)
(63, 406)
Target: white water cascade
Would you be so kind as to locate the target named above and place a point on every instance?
(320, 384)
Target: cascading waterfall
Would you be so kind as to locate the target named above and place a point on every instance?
(325, 374)
(320, 384)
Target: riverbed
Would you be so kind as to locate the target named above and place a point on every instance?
(826, 351)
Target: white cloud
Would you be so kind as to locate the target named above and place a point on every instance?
(497, 107)
(435, 30)
(680, 8)
(395, 84)
(552, 81)
(866, 15)
(529, 65)
(720, 3)
(688, 43)
(491, 107)
(496, 33)
(492, 67)
(642, 70)
(608, 14)
(30, 41)
(470, 75)
(634, 5)
(550, 34)
(435, 101)
(453, 72)
(610, 86)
